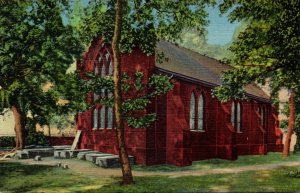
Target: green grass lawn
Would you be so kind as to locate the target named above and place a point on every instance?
(15, 177)
(270, 158)
(20, 178)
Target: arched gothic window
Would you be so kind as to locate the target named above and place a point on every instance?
(238, 117)
(110, 68)
(197, 112)
(201, 112)
(95, 97)
(262, 116)
(103, 117)
(192, 112)
(233, 114)
(95, 118)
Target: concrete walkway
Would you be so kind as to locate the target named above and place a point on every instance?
(88, 168)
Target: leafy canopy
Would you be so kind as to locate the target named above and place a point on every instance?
(35, 52)
(144, 21)
(267, 48)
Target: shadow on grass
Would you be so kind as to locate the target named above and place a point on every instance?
(251, 181)
(247, 160)
(20, 178)
(11, 170)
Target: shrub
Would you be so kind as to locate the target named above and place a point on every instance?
(7, 141)
(36, 138)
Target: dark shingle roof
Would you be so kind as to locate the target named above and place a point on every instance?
(196, 66)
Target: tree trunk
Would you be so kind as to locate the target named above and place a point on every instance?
(286, 149)
(19, 127)
(126, 168)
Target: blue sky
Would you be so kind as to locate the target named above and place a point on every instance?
(220, 31)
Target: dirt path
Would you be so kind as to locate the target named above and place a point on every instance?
(88, 168)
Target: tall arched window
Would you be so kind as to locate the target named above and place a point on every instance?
(103, 71)
(201, 112)
(103, 117)
(192, 112)
(95, 97)
(233, 114)
(238, 117)
(262, 116)
(110, 68)
(95, 118)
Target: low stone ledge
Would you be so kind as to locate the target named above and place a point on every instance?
(92, 157)
(75, 152)
(81, 155)
(111, 161)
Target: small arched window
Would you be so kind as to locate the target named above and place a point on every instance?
(232, 114)
(201, 112)
(192, 112)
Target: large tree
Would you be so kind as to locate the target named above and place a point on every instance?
(268, 49)
(36, 49)
(285, 123)
(129, 24)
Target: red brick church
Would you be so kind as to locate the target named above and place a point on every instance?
(192, 125)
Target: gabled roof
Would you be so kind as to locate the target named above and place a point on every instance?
(192, 65)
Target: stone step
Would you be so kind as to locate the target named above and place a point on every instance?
(62, 154)
(61, 147)
(111, 161)
(81, 155)
(75, 152)
(43, 152)
(31, 153)
(92, 156)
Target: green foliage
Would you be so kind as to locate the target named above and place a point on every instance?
(62, 122)
(268, 47)
(144, 22)
(4, 96)
(34, 137)
(142, 122)
(7, 141)
(37, 49)
(157, 85)
(138, 81)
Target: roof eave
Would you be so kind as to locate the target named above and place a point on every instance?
(203, 83)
